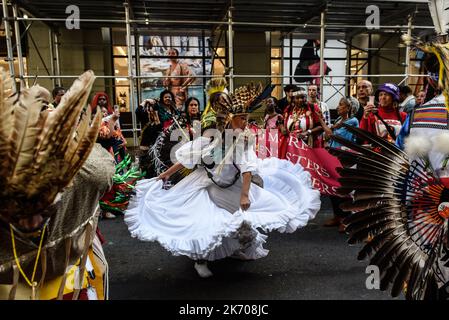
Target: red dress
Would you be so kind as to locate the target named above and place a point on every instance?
(298, 120)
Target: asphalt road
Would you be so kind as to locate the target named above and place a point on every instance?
(313, 263)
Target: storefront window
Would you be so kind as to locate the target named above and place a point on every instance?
(121, 84)
(276, 71)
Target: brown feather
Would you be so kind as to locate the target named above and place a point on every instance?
(376, 242)
(44, 154)
(404, 271)
(388, 248)
(363, 234)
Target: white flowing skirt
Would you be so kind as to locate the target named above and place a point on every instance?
(198, 219)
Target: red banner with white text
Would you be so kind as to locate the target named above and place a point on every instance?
(317, 161)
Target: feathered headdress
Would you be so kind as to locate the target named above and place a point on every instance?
(214, 88)
(244, 100)
(41, 151)
(439, 10)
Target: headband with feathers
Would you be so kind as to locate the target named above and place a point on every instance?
(244, 100)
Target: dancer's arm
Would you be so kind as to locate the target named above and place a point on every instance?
(244, 196)
(165, 175)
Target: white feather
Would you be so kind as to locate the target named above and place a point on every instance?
(439, 10)
(417, 146)
(441, 143)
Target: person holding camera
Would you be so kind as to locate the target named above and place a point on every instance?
(155, 116)
(384, 120)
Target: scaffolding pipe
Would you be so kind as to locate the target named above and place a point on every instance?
(130, 75)
(15, 11)
(407, 50)
(235, 23)
(235, 76)
(8, 39)
(57, 59)
(230, 51)
(52, 57)
(323, 17)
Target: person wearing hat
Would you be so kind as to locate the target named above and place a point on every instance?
(385, 120)
(301, 118)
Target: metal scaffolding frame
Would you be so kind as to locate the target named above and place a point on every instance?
(128, 22)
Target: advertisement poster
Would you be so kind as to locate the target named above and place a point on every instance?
(194, 55)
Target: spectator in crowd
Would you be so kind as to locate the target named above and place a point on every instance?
(192, 110)
(302, 119)
(407, 99)
(157, 115)
(322, 106)
(344, 111)
(287, 100)
(385, 119)
(175, 81)
(313, 98)
(364, 91)
(57, 94)
(420, 98)
(111, 136)
(273, 119)
(101, 100)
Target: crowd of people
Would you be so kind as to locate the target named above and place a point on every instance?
(209, 197)
(299, 113)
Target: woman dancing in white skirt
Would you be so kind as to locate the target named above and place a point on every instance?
(216, 210)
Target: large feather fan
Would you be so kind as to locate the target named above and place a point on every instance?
(41, 151)
(397, 213)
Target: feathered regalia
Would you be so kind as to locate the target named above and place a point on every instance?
(125, 178)
(41, 151)
(49, 187)
(220, 109)
(223, 106)
(159, 154)
(400, 213)
(400, 200)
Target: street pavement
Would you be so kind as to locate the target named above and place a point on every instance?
(312, 263)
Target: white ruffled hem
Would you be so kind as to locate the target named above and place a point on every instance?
(292, 203)
(299, 209)
(220, 244)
